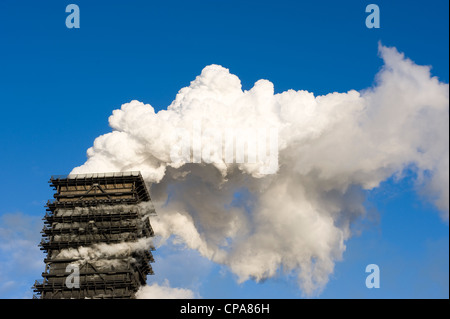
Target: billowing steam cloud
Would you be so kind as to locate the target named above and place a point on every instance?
(155, 291)
(329, 150)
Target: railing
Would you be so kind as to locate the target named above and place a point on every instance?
(47, 243)
(95, 175)
(116, 283)
(52, 204)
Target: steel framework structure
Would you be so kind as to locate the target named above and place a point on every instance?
(90, 210)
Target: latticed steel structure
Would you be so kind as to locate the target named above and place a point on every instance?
(97, 236)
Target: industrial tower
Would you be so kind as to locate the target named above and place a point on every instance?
(97, 236)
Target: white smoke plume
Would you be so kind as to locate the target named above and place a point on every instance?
(331, 149)
(103, 251)
(155, 291)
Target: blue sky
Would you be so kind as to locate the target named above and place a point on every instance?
(58, 86)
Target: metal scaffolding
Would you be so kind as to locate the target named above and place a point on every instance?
(91, 210)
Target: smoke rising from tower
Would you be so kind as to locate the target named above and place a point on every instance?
(331, 149)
